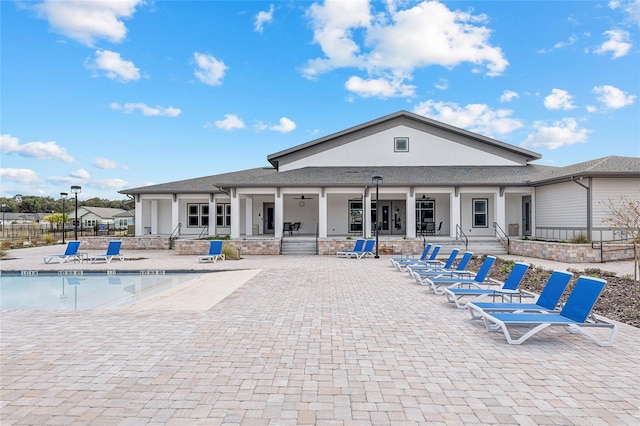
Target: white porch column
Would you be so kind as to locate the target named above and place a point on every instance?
(411, 214)
(154, 217)
(455, 211)
(248, 214)
(368, 230)
(235, 213)
(175, 212)
(500, 206)
(278, 215)
(322, 214)
(139, 228)
(213, 215)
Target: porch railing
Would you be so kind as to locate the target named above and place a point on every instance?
(501, 235)
(174, 236)
(460, 235)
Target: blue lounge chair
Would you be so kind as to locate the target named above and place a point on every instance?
(71, 253)
(547, 301)
(406, 260)
(456, 293)
(367, 250)
(434, 264)
(575, 315)
(357, 247)
(420, 273)
(460, 278)
(429, 260)
(215, 252)
(113, 250)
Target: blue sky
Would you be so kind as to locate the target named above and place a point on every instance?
(112, 95)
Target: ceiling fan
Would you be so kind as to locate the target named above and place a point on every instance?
(302, 197)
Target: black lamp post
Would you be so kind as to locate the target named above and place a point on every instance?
(378, 181)
(3, 224)
(63, 195)
(76, 190)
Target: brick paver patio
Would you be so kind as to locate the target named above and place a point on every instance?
(308, 340)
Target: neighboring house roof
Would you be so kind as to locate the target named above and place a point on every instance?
(126, 213)
(398, 118)
(102, 212)
(24, 217)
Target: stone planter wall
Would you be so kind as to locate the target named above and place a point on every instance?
(570, 253)
(128, 243)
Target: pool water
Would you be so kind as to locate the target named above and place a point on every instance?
(82, 292)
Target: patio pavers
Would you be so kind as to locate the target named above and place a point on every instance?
(307, 340)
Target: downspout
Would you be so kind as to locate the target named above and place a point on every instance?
(588, 188)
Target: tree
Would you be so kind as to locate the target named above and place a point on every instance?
(624, 214)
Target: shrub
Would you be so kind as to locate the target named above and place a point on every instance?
(579, 239)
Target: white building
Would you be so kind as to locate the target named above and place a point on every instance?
(459, 181)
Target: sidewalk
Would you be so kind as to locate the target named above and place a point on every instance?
(302, 340)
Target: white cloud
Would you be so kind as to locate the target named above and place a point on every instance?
(146, 110)
(479, 118)
(559, 134)
(106, 164)
(630, 8)
(210, 70)
(391, 44)
(88, 21)
(442, 84)
(286, 125)
(619, 43)
(109, 184)
(230, 122)
(114, 66)
(263, 17)
(612, 97)
(24, 176)
(378, 87)
(80, 174)
(508, 96)
(559, 99)
(39, 150)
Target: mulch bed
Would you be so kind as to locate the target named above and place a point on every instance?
(620, 300)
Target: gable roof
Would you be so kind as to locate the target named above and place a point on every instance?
(610, 167)
(102, 212)
(529, 175)
(397, 118)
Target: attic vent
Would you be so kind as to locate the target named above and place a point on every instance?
(401, 144)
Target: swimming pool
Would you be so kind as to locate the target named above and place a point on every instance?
(82, 292)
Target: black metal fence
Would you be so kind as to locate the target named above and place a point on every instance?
(26, 232)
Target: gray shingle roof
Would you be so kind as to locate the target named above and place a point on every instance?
(531, 174)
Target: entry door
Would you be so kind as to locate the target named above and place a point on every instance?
(526, 215)
(267, 218)
(392, 217)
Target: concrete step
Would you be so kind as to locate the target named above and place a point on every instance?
(298, 246)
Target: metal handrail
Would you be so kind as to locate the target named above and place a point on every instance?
(317, 236)
(499, 232)
(174, 235)
(204, 232)
(460, 233)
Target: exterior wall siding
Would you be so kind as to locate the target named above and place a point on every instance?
(561, 205)
(378, 150)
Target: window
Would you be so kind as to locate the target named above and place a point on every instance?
(355, 216)
(401, 144)
(197, 215)
(223, 215)
(480, 219)
(425, 211)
